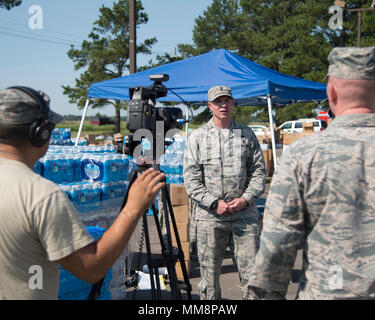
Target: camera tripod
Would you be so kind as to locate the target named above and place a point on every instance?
(170, 254)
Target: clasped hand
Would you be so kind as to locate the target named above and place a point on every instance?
(235, 205)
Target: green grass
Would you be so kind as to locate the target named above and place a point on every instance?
(101, 130)
(89, 129)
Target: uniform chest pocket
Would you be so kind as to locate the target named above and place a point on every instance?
(212, 161)
(210, 156)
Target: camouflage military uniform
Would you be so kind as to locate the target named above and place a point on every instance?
(224, 164)
(322, 196)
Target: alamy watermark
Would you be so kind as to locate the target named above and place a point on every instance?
(208, 153)
(336, 281)
(36, 19)
(336, 21)
(36, 280)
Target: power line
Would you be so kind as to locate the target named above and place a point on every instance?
(36, 39)
(48, 31)
(34, 36)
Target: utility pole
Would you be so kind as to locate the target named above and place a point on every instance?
(359, 27)
(132, 37)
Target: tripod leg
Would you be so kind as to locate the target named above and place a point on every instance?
(181, 257)
(157, 279)
(175, 292)
(158, 228)
(149, 259)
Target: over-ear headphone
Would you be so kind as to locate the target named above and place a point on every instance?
(40, 129)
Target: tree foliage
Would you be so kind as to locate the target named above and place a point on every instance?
(9, 4)
(290, 36)
(106, 54)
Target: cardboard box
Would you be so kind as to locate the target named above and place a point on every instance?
(291, 137)
(178, 195)
(266, 139)
(268, 160)
(185, 248)
(92, 139)
(179, 273)
(181, 214)
(183, 232)
(308, 127)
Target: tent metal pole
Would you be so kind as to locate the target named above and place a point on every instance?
(269, 100)
(187, 125)
(82, 121)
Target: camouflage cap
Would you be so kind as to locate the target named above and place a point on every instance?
(352, 63)
(18, 107)
(219, 91)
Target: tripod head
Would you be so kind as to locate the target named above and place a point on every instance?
(142, 113)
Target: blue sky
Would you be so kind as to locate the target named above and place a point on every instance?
(44, 65)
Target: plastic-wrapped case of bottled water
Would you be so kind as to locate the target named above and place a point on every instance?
(83, 173)
(171, 163)
(73, 288)
(61, 137)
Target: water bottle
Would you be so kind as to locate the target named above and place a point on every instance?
(123, 164)
(108, 148)
(78, 194)
(38, 167)
(76, 164)
(119, 188)
(92, 168)
(55, 134)
(52, 165)
(66, 134)
(46, 165)
(61, 164)
(107, 191)
(116, 174)
(67, 189)
(92, 192)
(68, 172)
(110, 169)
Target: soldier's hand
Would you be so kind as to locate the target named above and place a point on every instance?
(222, 208)
(237, 205)
(143, 191)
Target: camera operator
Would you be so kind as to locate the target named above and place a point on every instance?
(38, 224)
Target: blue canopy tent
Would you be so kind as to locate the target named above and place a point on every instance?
(190, 79)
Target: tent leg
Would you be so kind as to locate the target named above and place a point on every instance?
(82, 121)
(272, 131)
(187, 125)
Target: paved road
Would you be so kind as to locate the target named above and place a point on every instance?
(229, 277)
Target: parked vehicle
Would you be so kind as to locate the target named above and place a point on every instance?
(295, 126)
(323, 115)
(101, 121)
(258, 129)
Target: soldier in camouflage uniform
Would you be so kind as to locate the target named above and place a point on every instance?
(224, 173)
(322, 196)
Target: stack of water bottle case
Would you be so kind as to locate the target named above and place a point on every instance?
(95, 179)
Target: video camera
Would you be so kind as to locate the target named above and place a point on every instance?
(142, 113)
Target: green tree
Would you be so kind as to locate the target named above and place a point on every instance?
(212, 30)
(289, 36)
(106, 54)
(9, 4)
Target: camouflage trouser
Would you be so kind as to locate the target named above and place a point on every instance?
(192, 223)
(212, 240)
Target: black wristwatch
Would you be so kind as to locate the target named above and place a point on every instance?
(214, 205)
